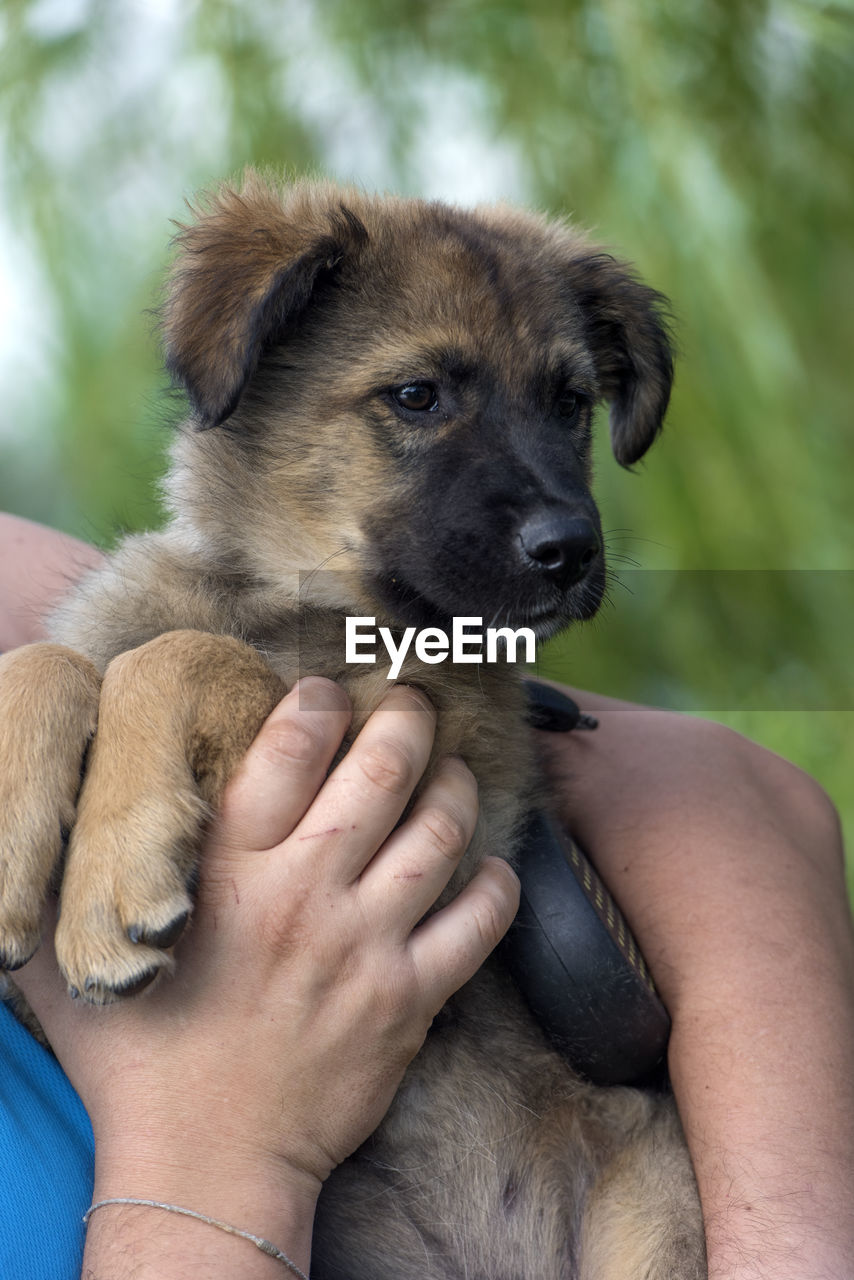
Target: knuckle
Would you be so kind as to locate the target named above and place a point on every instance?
(489, 922)
(497, 903)
(448, 833)
(387, 766)
(291, 742)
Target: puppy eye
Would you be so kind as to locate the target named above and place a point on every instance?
(419, 397)
(568, 403)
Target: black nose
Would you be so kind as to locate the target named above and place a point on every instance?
(563, 547)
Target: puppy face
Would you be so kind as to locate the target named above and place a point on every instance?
(403, 391)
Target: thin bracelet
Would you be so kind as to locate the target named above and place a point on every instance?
(260, 1243)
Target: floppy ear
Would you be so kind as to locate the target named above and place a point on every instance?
(245, 270)
(627, 330)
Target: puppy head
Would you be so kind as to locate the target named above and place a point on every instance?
(408, 388)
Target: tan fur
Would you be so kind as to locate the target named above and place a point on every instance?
(170, 733)
(48, 712)
(297, 494)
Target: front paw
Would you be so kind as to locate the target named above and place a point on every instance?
(176, 716)
(48, 713)
(126, 892)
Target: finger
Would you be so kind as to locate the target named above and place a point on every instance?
(286, 764)
(365, 795)
(451, 945)
(418, 859)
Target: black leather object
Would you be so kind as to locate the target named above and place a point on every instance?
(578, 965)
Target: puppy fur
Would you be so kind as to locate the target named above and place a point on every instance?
(390, 415)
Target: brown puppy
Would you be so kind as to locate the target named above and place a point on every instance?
(391, 407)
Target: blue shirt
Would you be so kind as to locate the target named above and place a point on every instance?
(47, 1161)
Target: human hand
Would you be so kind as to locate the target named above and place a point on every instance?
(307, 982)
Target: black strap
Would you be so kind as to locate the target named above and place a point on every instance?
(578, 966)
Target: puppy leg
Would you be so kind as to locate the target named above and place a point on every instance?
(176, 716)
(48, 713)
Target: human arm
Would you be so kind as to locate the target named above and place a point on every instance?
(727, 861)
(37, 567)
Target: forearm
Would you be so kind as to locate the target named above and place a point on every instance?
(727, 862)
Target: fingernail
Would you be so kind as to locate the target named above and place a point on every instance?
(315, 693)
(454, 762)
(415, 696)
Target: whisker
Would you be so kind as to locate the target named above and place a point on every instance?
(309, 578)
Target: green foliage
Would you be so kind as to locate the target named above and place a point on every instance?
(711, 143)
